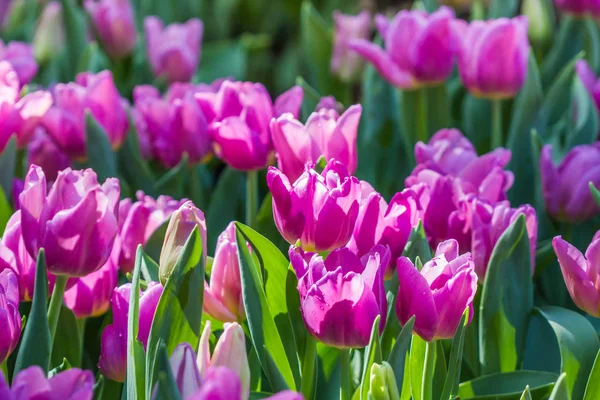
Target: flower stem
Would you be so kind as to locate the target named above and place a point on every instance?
(421, 115)
(308, 367)
(497, 134)
(251, 197)
(345, 388)
(55, 304)
(428, 369)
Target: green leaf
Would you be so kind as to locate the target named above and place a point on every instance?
(526, 394)
(178, 316)
(35, 343)
(567, 44)
(75, 32)
(100, 156)
(135, 350)
(222, 58)
(8, 160)
(317, 43)
(153, 246)
(63, 366)
(67, 344)
(584, 116)
(226, 203)
(397, 358)
(172, 183)
(372, 356)
(166, 386)
(149, 269)
(503, 9)
(92, 59)
(311, 97)
(6, 211)
(506, 301)
(477, 121)
(592, 48)
(578, 343)
(438, 108)
(454, 364)
(508, 385)
(135, 169)
(595, 193)
(416, 362)
(592, 389)
(430, 5)
(110, 389)
(263, 330)
(560, 391)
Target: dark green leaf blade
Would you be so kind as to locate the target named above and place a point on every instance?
(372, 356)
(100, 156)
(508, 385)
(135, 350)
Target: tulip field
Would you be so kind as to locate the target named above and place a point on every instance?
(299, 199)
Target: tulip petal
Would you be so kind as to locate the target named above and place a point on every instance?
(451, 301)
(384, 65)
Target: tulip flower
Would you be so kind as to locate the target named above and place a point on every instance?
(320, 210)
(75, 203)
(10, 319)
(329, 103)
(341, 296)
(490, 222)
(493, 56)
(345, 63)
(42, 151)
(325, 133)
(113, 349)
(223, 296)
(581, 273)
(32, 383)
(17, 188)
(438, 294)
(49, 40)
(174, 50)
(419, 48)
(20, 56)
(579, 7)
(114, 24)
(589, 80)
(18, 115)
(182, 223)
(243, 112)
(170, 127)
(566, 188)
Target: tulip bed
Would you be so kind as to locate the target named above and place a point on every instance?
(248, 199)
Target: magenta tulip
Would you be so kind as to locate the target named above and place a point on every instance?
(419, 48)
(20, 56)
(493, 56)
(341, 296)
(32, 384)
(438, 295)
(18, 115)
(589, 80)
(325, 133)
(174, 50)
(42, 151)
(320, 210)
(114, 24)
(345, 63)
(329, 103)
(579, 7)
(566, 188)
(75, 205)
(220, 383)
(10, 319)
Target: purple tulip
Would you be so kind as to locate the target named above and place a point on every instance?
(174, 50)
(589, 80)
(76, 222)
(329, 103)
(49, 39)
(17, 187)
(32, 384)
(20, 56)
(10, 319)
(114, 24)
(345, 63)
(138, 221)
(566, 188)
(19, 116)
(223, 296)
(438, 294)
(341, 296)
(490, 222)
(171, 126)
(579, 7)
(325, 133)
(221, 383)
(493, 56)
(113, 350)
(243, 112)
(419, 48)
(320, 210)
(42, 151)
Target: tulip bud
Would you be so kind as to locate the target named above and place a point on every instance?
(346, 64)
(114, 24)
(186, 374)
(32, 383)
(182, 223)
(20, 56)
(49, 39)
(10, 319)
(540, 13)
(383, 384)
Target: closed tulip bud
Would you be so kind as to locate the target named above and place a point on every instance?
(329, 103)
(186, 373)
(223, 297)
(32, 383)
(182, 223)
(320, 210)
(581, 273)
(10, 319)
(341, 296)
(383, 385)
(325, 133)
(589, 80)
(76, 202)
(541, 16)
(174, 50)
(49, 39)
(438, 295)
(42, 151)
(566, 188)
(114, 25)
(20, 56)
(20, 116)
(345, 63)
(493, 56)
(419, 48)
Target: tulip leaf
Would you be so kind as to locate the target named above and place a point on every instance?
(503, 9)
(178, 316)
(6, 211)
(166, 386)
(372, 356)
(133, 166)
(100, 156)
(454, 364)
(526, 394)
(67, 345)
(595, 193)
(92, 59)
(430, 5)
(568, 43)
(438, 112)
(560, 391)
(8, 160)
(398, 356)
(578, 343)
(153, 245)
(226, 203)
(417, 356)
(317, 43)
(293, 304)
(506, 301)
(592, 389)
(592, 35)
(172, 183)
(311, 97)
(223, 58)
(149, 269)
(63, 366)
(477, 121)
(584, 117)
(508, 385)
(135, 381)
(75, 32)
(35, 343)
(264, 331)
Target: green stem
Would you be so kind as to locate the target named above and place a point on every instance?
(81, 329)
(497, 134)
(345, 388)
(421, 115)
(251, 198)
(20, 165)
(428, 369)
(55, 304)
(477, 10)
(308, 367)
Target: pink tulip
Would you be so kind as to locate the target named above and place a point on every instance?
(579, 7)
(341, 296)
(329, 103)
(114, 24)
(32, 384)
(325, 133)
(345, 63)
(10, 319)
(419, 48)
(42, 151)
(20, 56)
(438, 294)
